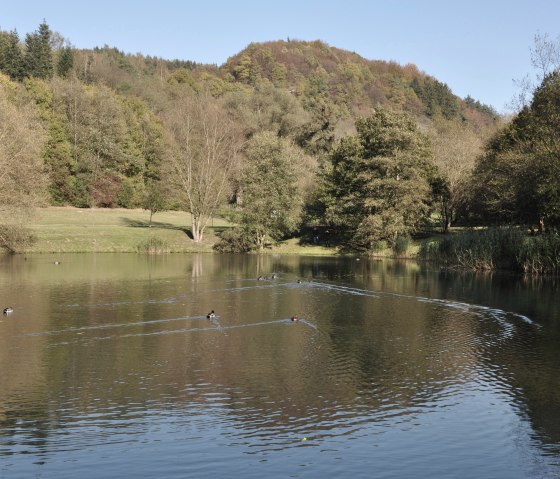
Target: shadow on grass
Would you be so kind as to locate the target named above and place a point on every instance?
(156, 224)
(134, 223)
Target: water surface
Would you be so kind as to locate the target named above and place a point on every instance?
(110, 368)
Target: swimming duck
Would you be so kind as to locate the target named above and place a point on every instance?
(295, 318)
(274, 276)
(56, 262)
(8, 310)
(260, 278)
(211, 315)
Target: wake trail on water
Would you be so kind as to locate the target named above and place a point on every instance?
(503, 318)
(216, 326)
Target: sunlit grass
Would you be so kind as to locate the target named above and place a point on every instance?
(67, 230)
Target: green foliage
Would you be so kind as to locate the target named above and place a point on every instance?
(540, 254)
(516, 180)
(401, 244)
(236, 240)
(153, 245)
(65, 61)
(38, 58)
(378, 186)
(272, 199)
(477, 250)
(436, 97)
(481, 107)
(11, 55)
(154, 198)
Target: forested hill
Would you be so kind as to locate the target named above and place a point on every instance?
(116, 129)
(346, 83)
(352, 83)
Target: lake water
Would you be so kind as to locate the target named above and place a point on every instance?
(110, 368)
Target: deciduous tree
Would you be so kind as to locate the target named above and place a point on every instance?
(204, 148)
(272, 188)
(22, 181)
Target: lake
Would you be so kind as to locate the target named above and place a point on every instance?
(110, 368)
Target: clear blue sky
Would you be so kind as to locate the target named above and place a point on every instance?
(477, 47)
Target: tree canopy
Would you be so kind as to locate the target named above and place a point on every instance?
(516, 179)
(378, 185)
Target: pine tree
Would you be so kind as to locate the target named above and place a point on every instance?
(11, 57)
(38, 54)
(65, 61)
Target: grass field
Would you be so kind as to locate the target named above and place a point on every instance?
(75, 230)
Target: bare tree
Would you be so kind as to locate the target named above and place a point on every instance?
(545, 58)
(205, 144)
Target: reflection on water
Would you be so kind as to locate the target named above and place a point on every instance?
(109, 367)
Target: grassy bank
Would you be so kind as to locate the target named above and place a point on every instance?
(499, 248)
(75, 230)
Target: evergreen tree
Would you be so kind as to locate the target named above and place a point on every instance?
(379, 182)
(65, 61)
(38, 54)
(11, 56)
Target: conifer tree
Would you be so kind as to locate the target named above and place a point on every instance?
(11, 57)
(38, 54)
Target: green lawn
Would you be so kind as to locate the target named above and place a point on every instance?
(71, 230)
(76, 230)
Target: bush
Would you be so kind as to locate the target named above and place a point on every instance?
(14, 238)
(236, 240)
(401, 244)
(153, 245)
(378, 245)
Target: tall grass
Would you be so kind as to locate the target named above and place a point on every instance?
(540, 255)
(400, 246)
(502, 248)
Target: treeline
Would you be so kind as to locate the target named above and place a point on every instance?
(286, 138)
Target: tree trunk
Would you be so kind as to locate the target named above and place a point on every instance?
(196, 229)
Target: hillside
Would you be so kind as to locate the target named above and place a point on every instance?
(118, 130)
(309, 70)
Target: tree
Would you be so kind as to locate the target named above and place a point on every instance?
(22, 181)
(272, 189)
(154, 198)
(65, 61)
(378, 184)
(516, 179)
(11, 56)
(204, 147)
(456, 147)
(38, 53)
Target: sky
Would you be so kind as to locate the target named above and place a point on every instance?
(476, 47)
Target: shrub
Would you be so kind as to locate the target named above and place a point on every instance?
(377, 246)
(401, 244)
(14, 238)
(153, 245)
(236, 240)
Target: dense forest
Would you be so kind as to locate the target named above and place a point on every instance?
(285, 138)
